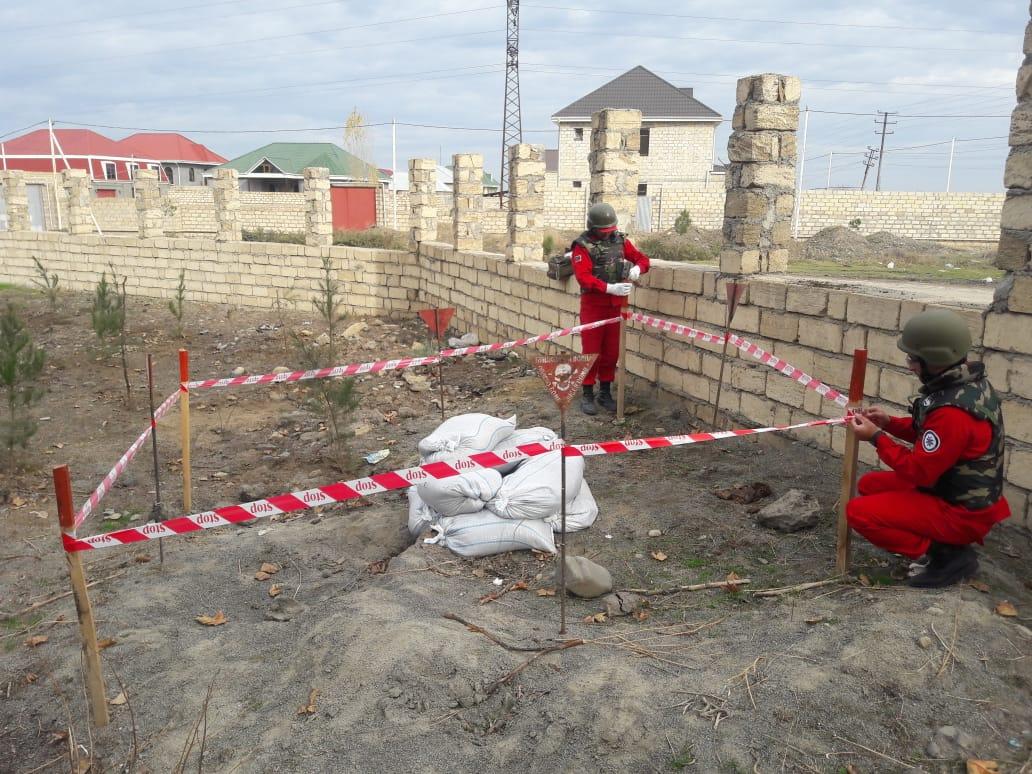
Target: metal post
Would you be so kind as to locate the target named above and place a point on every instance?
(53, 168)
(89, 177)
(440, 362)
(621, 367)
(3, 155)
(394, 174)
(831, 160)
(184, 429)
(949, 169)
(849, 460)
(799, 182)
(734, 294)
(83, 609)
(156, 510)
(562, 523)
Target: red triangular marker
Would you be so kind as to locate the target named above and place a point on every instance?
(563, 375)
(437, 320)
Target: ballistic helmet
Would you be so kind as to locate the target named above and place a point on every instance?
(939, 337)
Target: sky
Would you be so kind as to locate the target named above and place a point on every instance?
(221, 69)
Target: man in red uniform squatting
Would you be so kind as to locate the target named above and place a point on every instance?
(947, 492)
(600, 262)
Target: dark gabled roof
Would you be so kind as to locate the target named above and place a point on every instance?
(643, 90)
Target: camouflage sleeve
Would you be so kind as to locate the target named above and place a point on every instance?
(944, 439)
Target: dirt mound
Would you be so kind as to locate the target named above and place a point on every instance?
(837, 243)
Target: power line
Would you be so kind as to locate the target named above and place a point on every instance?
(881, 152)
(52, 24)
(905, 115)
(274, 131)
(19, 131)
(770, 21)
(807, 44)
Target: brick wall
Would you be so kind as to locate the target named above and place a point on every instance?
(116, 215)
(245, 273)
(274, 211)
(190, 211)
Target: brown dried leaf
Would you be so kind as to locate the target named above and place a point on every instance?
(982, 767)
(270, 568)
(309, 709)
(980, 586)
(731, 578)
(119, 700)
(1006, 609)
(641, 615)
(659, 556)
(378, 567)
(36, 640)
(141, 558)
(18, 502)
(745, 493)
(815, 620)
(864, 581)
(479, 572)
(30, 678)
(519, 586)
(57, 737)
(275, 589)
(212, 620)
(107, 642)
(851, 769)
(546, 592)
(261, 576)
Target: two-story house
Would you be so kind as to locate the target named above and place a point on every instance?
(677, 140)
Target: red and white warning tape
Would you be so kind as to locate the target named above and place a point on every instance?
(680, 330)
(105, 486)
(393, 480)
(388, 365)
(746, 346)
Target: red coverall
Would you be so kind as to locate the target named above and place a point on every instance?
(893, 514)
(597, 305)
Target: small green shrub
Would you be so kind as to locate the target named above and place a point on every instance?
(175, 306)
(683, 222)
(47, 283)
(269, 235)
(108, 318)
(548, 244)
(21, 365)
(376, 238)
(855, 223)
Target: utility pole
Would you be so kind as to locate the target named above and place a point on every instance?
(512, 122)
(831, 161)
(884, 130)
(868, 163)
(949, 169)
(796, 213)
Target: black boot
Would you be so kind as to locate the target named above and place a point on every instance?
(947, 565)
(605, 396)
(587, 401)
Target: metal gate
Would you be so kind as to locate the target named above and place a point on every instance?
(353, 208)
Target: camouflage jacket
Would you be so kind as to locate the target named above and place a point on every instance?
(607, 255)
(978, 483)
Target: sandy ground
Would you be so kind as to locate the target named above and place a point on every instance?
(369, 675)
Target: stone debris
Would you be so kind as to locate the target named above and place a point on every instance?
(355, 330)
(239, 371)
(793, 511)
(586, 579)
(416, 382)
(622, 603)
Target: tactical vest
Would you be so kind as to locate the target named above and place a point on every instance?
(607, 255)
(973, 484)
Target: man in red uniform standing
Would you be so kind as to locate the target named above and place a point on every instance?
(946, 492)
(606, 265)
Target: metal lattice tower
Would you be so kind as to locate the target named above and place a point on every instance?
(512, 122)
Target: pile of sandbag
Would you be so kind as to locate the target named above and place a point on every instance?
(509, 508)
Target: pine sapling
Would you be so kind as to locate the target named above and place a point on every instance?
(327, 303)
(175, 306)
(21, 365)
(108, 318)
(47, 283)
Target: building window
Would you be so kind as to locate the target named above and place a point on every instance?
(578, 184)
(170, 176)
(643, 189)
(110, 172)
(266, 168)
(193, 175)
(133, 169)
(578, 133)
(644, 147)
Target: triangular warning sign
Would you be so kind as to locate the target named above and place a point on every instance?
(563, 374)
(734, 295)
(437, 320)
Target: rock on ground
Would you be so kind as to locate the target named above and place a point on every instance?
(793, 511)
(587, 579)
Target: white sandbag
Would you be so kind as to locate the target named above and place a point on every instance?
(580, 514)
(532, 491)
(420, 515)
(484, 534)
(464, 435)
(522, 437)
(465, 493)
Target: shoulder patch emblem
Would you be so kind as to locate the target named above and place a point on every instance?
(930, 442)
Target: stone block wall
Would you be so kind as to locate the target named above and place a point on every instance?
(468, 201)
(190, 210)
(149, 207)
(274, 211)
(77, 194)
(526, 202)
(423, 201)
(16, 200)
(761, 175)
(226, 196)
(249, 274)
(613, 160)
(116, 216)
(318, 207)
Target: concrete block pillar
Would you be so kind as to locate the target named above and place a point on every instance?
(468, 200)
(422, 200)
(761, 175)
(16, 199)
(1015, 248)
(526, 203)
(318, 208)
(77, 191)
(149, 213)
(226, 193)
(613, 161)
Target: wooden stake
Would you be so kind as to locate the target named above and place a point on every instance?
(621, 369)
(184, 429)
(156, 511)
(87, 626)
(849, 460)
(734, 295)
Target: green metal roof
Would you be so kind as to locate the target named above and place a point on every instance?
(490, 182)
(291, 158)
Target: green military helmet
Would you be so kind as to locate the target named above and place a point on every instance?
(601, 215)
(938, 337)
